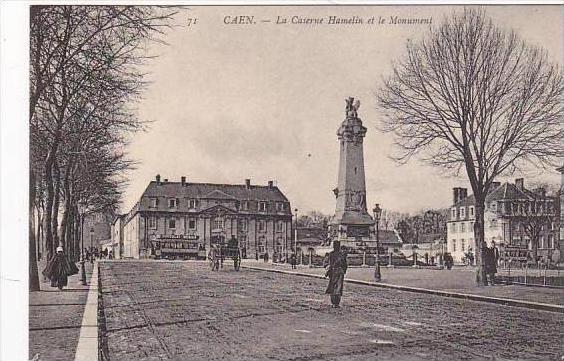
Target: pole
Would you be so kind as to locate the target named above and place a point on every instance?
(296, 236)
(377, 273)
(82, 269)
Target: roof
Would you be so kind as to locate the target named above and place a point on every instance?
(311, 233)
(388, 237)
(505, 191)
(228, 192)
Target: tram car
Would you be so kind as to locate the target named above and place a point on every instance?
(178, 249)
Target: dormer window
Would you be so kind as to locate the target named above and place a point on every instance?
(262, 206)
(494, 206)
(279, 207)
(245, 205)
(154, 202)
(462, 212)
(453, 213)
(192, 203)
(172, 203)
(471, 211)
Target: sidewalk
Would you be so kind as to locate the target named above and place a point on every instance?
(455, 281)
(55, 317)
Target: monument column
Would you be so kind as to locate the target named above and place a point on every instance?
(351, 217)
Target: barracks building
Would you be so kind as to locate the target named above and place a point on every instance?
(195, 216)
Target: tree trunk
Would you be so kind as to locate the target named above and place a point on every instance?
(56, 200)
(49, 204)
(33, 271)
(534, 249)
(479, 240)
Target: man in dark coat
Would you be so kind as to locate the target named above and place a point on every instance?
(336, 264)
(491, 255)
(293, 260)
(59, 268)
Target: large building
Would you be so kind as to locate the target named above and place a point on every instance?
(198, 215)
(509, 209)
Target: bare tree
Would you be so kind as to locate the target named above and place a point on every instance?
(475, 97)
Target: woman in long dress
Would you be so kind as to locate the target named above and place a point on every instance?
(59, 268)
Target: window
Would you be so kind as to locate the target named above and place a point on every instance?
(192, 203)
(494, 206)
(453, 213)
(154, 202)
(462, 212)
(262, 225)
(471, 211)
(279, 207)
(471, 227)
(493, 224)
(243, 225)
(217, 223)
(541, 242)
(172, 203)
(279, 225)
(453, 227)
(192, 224)
(245, 205)
(462, 227)
(172, 223)
(261, 244)
(454, 245)
(550, 241)
(463, 245)
(262, 206)
(152, 222)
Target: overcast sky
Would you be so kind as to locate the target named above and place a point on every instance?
(263, 101)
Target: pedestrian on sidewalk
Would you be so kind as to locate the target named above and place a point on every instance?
(336, 264)
(59, 268)
(293, 260)
(490, 260)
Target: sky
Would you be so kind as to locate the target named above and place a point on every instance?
(228, 102)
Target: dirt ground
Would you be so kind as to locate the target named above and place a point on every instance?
(183, 310)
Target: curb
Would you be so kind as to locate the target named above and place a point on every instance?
(497, 300)
(87, 349)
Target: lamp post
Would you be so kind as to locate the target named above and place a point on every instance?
(377, 213)
(296, 236)
(82, 260)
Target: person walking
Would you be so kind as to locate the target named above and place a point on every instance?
(491, 256)
(59, 268)
(336, 264)
(293, 260)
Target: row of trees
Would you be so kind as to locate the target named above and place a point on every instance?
(85, 76)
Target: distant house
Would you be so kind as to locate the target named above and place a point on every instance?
(508, 207)
(389, 241)
(195, 216)
(309, 238)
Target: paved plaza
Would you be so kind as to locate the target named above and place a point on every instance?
(183, 310)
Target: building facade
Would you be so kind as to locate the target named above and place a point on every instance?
(204, 214)
(510, 210)
(117, 236)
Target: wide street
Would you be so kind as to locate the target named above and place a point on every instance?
(183, 310)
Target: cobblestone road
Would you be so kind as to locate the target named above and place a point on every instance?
(179, 310)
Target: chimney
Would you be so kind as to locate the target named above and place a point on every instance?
(183, 180)
(455, 195)
(270, 184)
(495, 185)
(463, 193)
(520, 183)
(158, 179)
(541, 191)
(248, 183)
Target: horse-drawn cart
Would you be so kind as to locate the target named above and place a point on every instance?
(220, 252)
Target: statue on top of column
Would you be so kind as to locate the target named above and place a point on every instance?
(351, 109)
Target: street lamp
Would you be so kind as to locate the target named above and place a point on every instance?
(82, 260)
(296, 236)
(377, 213)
